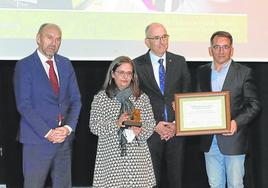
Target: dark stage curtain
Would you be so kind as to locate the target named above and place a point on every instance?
(90, 77)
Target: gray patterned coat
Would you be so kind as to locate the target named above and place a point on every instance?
(112, 170)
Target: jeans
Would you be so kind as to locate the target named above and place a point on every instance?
(220, 167)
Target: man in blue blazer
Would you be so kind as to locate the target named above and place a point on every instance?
(225, 153)
(167, 150)
(48, 100)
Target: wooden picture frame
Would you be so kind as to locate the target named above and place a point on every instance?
(202, 113)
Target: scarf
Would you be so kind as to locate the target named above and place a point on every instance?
(126, 106)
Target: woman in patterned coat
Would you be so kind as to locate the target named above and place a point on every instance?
(123, 158)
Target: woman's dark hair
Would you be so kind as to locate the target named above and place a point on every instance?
(109, 84)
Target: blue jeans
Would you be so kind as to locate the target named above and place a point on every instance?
(221, 167)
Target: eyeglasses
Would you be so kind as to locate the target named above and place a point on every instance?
(158, 38)
(218, 47)
(123, 73)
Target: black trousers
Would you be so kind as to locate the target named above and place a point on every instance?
(168, 159)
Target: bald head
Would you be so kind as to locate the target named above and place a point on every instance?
(156, 39)
(48, 25)
(151, 27)
(48, 39)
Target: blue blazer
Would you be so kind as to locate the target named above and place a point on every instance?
(36, 101)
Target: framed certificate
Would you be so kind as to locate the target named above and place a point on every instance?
(202, 113)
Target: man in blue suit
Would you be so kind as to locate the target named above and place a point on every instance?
(48, 100)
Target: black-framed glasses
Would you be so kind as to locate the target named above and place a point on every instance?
(218, 47)
(158, 38)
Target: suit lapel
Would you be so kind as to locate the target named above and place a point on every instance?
(40, 70)
(205, 74)
(60, 73)
(148, 71)
(41, 76)
(229, 77)
(170, 71)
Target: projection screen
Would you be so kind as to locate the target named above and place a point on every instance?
(104, 29)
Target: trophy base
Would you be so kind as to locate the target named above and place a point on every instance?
(130, 123)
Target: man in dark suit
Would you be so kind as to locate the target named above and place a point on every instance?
(48, 100)
(225, 153)
(161, 75)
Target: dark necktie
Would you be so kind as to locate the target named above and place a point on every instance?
(161, 76)
(162, 73)
(53, 77)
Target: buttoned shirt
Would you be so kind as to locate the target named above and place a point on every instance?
(155, 64)
(218, 77)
